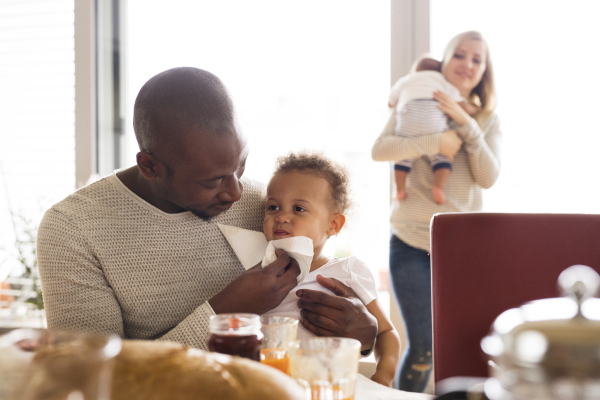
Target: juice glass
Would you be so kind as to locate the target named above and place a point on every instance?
(278, 332)
(327, 365)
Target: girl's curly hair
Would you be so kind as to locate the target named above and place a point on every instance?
(320, 165)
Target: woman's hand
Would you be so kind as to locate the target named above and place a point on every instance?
(451, 108)
(450, 143)
(471, 109)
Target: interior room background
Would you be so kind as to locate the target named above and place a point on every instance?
(312, 74)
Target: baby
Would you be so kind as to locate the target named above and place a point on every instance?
(417, 114)
(308, 196)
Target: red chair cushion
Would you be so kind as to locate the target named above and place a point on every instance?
(486, 263)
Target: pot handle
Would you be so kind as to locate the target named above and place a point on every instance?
(579, 282)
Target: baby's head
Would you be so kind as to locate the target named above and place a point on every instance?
(426, 64)
(307, 196)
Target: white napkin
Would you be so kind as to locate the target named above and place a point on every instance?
(299, 248)
(251, 247)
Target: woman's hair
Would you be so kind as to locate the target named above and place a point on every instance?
(484, 94)
(320, 165)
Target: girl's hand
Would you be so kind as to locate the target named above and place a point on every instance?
(383, 378)
(450, 143)
(451, 108)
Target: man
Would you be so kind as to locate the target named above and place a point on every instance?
(139, 253)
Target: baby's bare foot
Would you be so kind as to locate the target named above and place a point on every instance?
(438, 195)
(400, 194)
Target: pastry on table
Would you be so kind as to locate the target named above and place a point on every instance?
(151, 370)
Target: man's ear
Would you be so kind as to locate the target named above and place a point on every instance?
(337, 223)
(148, 165)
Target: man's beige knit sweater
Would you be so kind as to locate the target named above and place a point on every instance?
(112, 263)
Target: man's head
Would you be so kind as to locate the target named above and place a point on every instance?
(190, 150)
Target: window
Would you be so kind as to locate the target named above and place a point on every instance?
(545, 65)
(312, 74)
(37, 114)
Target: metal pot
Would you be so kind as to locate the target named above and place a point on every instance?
(550, 348)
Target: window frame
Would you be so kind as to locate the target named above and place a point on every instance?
(100, 82)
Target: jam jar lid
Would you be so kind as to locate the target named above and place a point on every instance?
(549, 340)
(234, 324)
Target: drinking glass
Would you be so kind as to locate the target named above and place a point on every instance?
(278, 332)
(327, 365)
(236, 335)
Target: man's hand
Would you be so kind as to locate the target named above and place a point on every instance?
(341, 315)
(258, 290)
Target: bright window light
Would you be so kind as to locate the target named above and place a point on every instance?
(311, 74)
(546, 68)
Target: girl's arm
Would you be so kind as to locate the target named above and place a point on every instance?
(387, 347)
(389, 147)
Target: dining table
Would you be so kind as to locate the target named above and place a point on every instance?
(366, 389)
(13, 364)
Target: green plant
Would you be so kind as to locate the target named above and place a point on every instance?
(25, 253)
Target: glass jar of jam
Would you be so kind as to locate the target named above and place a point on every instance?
(236, 335)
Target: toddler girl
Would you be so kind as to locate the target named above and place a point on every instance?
(308, 196)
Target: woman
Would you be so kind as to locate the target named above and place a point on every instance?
(473, 145)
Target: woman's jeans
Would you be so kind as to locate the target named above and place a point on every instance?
(411, 279)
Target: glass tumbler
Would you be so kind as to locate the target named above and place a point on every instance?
(327, 365)
(236, 335)
(278, 332)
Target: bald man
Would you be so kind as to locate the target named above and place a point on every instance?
(139, 253)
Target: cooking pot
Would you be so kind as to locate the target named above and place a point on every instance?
(550, 348)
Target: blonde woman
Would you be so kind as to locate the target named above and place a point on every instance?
(473, 146)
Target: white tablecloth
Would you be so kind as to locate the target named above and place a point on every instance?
(366, 389)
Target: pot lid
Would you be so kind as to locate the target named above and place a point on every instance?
(558, 337)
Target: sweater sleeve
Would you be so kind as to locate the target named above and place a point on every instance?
(77, 296)
(389, 147)
(193, 330)
(483, 149)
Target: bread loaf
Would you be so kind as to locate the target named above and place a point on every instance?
(149, 370)
(155, 370)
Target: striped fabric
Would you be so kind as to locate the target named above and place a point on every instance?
(421, 117)
(475, 166)
(420, 85)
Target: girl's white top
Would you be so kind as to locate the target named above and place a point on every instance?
(350, 271)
